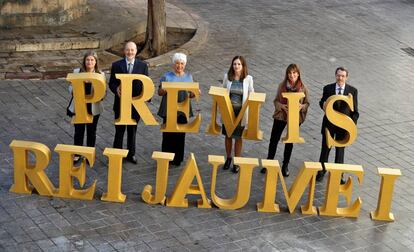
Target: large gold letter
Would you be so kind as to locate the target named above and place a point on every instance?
(173, 107)
(222, 101)
(306, 176)
(292, 135)
(67, 171)
(115, 157)
(161, 182)
(268, 204)
(388, 177)
(184, 187)
(334, 188)
(243, 186)
(341, 120)
(138, 102)
(80, 98)
(25, 171)
(254, 102)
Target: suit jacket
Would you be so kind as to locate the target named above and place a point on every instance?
(339, 106)
(247, 89)
(120, 66)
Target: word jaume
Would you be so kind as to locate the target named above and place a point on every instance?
(31, 175)
(34, 173)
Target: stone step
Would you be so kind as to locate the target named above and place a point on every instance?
(49, 44)
(51, 52)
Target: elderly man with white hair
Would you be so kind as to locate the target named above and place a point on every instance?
(128, 65)
(171, 141)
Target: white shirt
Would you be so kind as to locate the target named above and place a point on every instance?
(337, 87)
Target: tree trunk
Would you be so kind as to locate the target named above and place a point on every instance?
(156, 33)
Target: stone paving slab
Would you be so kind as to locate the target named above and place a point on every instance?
(366, 37)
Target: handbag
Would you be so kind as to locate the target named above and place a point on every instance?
(68, 112)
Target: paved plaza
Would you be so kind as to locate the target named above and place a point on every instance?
(371, 38)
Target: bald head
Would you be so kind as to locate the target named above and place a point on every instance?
(130, 50)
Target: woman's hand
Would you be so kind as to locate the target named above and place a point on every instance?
(284, 107)
(161, 92)
(118, 90)
(192, 95)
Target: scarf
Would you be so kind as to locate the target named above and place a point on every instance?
(287, 88)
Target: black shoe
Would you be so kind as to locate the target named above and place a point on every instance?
(175, 163)
(285, 170)
(343, 180)
(235, 169)
(77, 160)
(263, 170)
(319, 176)
(132, 159)
(227, 164)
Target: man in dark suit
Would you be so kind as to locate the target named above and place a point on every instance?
(131, 65)
(340, 87)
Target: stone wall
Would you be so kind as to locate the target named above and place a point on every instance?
(20, 13)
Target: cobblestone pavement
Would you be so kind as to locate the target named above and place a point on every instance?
(365, 36)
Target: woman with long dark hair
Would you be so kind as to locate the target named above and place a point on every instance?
(89, 64)
(239, 85)
(291, 83)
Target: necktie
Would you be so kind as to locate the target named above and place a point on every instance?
(339, 90)
(129, 67)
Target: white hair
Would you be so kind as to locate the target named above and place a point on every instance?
(179, 56)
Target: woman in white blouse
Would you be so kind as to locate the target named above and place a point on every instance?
(89, 64)
(239, 84)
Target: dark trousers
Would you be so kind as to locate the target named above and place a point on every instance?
(337, 134)
(174, 142)
(277, 129)
(90, 132)
(131, 137)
